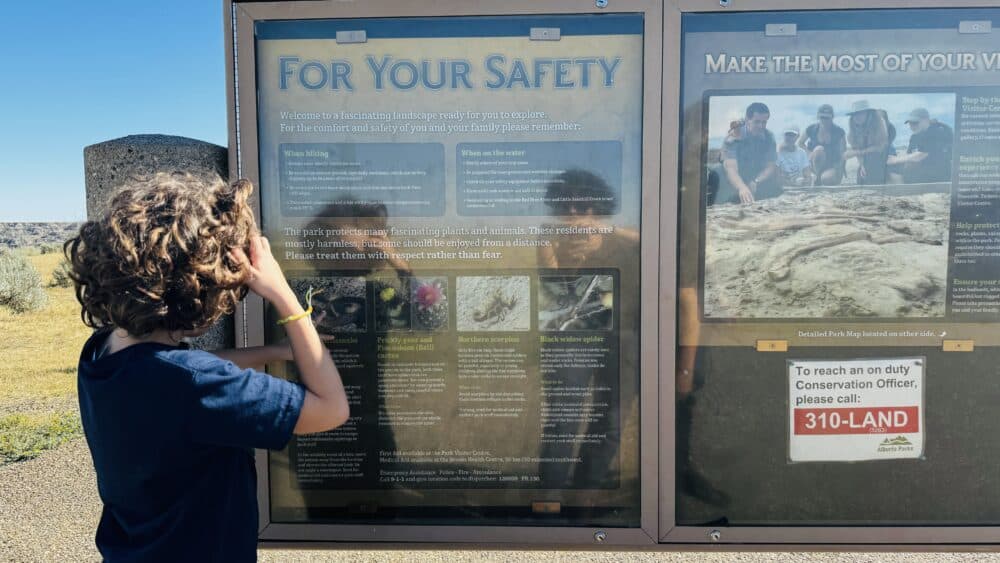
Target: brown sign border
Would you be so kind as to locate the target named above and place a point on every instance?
(759, 538)
(239, 18)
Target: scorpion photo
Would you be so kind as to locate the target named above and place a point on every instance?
(494, 303)
(494, 308)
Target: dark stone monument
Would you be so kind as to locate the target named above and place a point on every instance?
(109, 165)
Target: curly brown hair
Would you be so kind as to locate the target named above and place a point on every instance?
(160, 257)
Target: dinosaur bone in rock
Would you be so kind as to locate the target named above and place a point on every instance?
(795, 223)
(780, 224)
(886, 239)
(780, 268)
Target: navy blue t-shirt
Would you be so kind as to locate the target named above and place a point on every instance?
(171, 432)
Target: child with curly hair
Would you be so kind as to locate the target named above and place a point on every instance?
(172, 430)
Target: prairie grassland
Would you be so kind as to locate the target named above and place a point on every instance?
(38, 358)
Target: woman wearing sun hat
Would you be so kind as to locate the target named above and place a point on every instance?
(868, 135)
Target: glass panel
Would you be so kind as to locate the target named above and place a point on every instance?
(838, 270)
(467, 201)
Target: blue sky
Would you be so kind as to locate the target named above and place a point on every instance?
(78, 73)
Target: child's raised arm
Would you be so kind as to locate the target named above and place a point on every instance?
(325, 406)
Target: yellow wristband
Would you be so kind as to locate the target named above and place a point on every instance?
(292, 318)
(303, 314)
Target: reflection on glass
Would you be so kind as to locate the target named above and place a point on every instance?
(833, 213)
(582, 199)
(476, 253)
(404, 340)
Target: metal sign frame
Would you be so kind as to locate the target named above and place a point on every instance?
(873, 537)
(660, 185)
(239, 18)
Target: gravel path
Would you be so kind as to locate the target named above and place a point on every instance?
(49, 507)
(49, 510)
(39, 406)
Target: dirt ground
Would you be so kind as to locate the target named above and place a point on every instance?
(49, 510)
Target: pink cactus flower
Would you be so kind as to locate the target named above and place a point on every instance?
(429, 295)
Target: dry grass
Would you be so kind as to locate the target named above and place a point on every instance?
(38, 361)
(41, 348)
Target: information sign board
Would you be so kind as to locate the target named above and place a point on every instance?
(837, 263)
(464, 195)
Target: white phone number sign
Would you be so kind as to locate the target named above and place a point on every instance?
(855, 410)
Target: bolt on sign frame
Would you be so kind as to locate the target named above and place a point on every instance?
(737, 466)
(638, 159)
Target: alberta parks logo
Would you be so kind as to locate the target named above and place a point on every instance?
(893, 445)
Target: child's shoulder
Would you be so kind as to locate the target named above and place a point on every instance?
(194, 361)
(201, 372)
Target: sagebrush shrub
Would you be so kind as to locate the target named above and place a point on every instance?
(60, 276)
(20, 285)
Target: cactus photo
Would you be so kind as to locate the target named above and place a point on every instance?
(429, 303)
